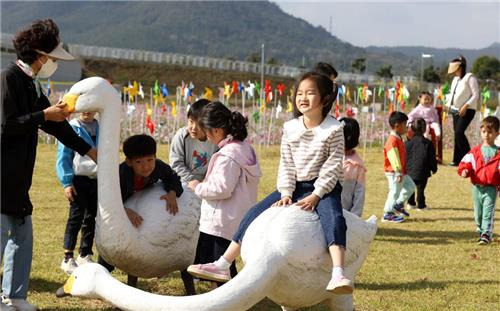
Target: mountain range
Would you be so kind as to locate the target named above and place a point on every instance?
(233, 30)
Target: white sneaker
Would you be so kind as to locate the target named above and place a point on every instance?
(17, 304)
(23, 305)
(6, 307)
(84, 260)
(410, 207)
(69, 265)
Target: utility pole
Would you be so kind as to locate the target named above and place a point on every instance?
(261, 72)
(331, 23)
(422, 65)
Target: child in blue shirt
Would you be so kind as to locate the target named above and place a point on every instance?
(78, 175)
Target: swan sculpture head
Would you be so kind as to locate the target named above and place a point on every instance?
(91, 94)
(82, 283)
(163, 243)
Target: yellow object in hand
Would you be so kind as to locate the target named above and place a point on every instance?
(70, 101)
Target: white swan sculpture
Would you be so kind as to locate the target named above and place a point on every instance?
(283, 249)
(163, 243)
(285, 259)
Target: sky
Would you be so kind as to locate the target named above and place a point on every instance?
(443, 24)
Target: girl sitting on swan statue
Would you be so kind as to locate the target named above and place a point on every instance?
(283, 249)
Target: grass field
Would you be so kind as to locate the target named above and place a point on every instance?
(430, 262)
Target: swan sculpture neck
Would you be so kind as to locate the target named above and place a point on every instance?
(249, 287)
(96, 94)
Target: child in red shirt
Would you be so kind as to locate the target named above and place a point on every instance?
(401, 186)
(482, 165)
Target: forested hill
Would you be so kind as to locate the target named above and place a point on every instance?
(233, 30)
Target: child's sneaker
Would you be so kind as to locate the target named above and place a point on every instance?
(340, 285)
(17, 304)
(484, 239)
(392, 218)
(6, 305)
(209, 271)
(399, 207)
(84, 260)
(410, 206)
(69, 265)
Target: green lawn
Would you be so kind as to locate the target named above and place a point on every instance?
(430, 262)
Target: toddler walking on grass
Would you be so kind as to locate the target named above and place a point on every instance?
(482, 166)
(401, 187)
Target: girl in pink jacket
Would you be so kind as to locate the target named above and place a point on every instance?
(428, 112)
(353, 186)
(230, 186)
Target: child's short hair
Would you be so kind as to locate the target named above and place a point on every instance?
(491, 123)
(397, 117)
(351, 133)
(196, 108)
(137, 146)
(418, 126)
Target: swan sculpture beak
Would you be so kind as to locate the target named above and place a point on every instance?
(66, 289)
(70, 101)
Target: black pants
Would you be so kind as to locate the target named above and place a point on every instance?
(421, 184)
(460, 124)
(82, 213)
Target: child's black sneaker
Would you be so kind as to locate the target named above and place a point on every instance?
(484, 239)
(399, 207)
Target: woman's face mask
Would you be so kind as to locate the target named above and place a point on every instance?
(47, 69)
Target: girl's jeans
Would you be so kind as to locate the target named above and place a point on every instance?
(329, 210)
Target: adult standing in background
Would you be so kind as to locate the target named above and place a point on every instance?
(25, 109)
(462, 103)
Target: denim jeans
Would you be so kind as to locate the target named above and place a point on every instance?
(329, 210)
(399, 193)
(17, 252)
(82, 213)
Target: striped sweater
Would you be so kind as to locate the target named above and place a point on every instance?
(307, 154)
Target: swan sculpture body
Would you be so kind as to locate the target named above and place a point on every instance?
(285, 259)
(163, 243)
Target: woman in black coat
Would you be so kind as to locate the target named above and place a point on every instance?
(24, 110)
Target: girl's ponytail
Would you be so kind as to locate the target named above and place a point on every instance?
(238, 126)
(217, 115)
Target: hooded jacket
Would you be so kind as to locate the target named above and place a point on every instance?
(229, 189)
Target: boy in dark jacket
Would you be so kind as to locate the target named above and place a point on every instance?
(140, 170)
(421, 161)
